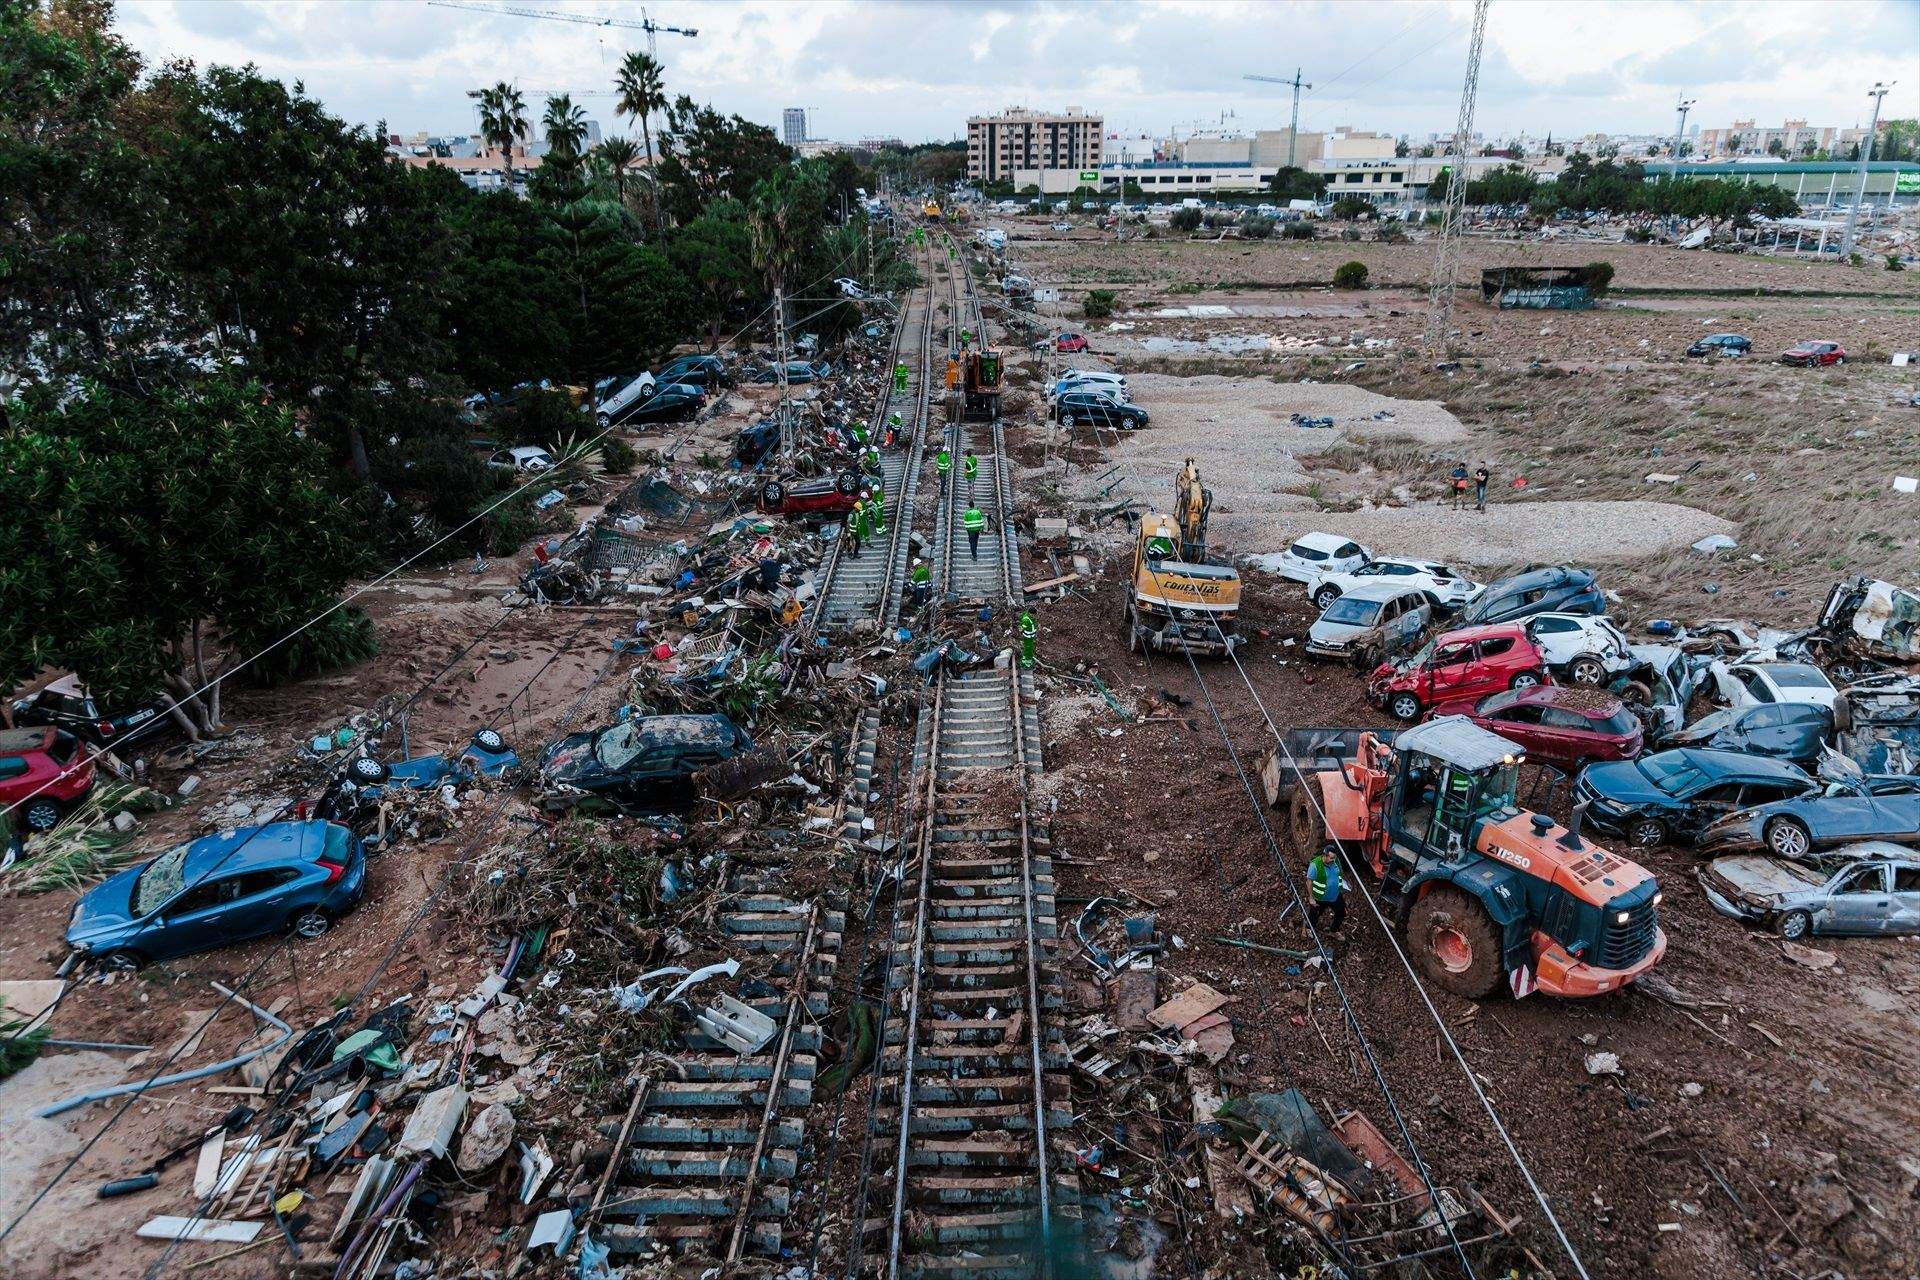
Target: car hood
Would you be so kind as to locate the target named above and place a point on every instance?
(1622, 781)
(105, 908)
(1324, 632)
(1761, 878)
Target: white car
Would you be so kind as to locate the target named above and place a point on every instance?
(623, 397)
(1752, 684)
(1110, 388)
(1371, 609)
(1314, 555)
(1584, 649)
(1443, 588)
(850, 288)
(525, 457)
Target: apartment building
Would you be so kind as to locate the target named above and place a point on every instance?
(1794, 139)
(1018, 138)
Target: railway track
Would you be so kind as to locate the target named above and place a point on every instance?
(971, 1086)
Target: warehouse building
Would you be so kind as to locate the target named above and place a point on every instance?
(1814, 182)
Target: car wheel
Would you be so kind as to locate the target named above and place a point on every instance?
(603, 420)
(1326, 596)
(489, 740)
(366, 771)
(1795, 925)
(42, 814)
(1840, 360)
(1587, 671)
(122, 961)
(848, 483)
(310, 923)
(1787, 838)
(1068, 422)
(772, 492)
(1404, 707)
(1525, 680)
(1647, 832)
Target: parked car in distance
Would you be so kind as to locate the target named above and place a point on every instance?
(1721, 344)
(701, 371)
(1796, 731)
(1751, 684)
(524, 458)
(1557, 590)
(849, 287)
(45, 771)
(1442, 587)
(1096, 375)
(1583, 649)
(798, 371)
(1868, 888)
(1812, 354)
(1351, 621)
(1457, 666)
(1671, 797)
(1099, 409)
(1112, 389)
(66, 704)
(1314, 556)
(222, 888)
(674, 404)
(646, 763)
(1070, 342)
(613, 395)
(1857, 807)
(814, 495)
(1558, 724)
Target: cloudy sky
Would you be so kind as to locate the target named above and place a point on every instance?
(917, 70)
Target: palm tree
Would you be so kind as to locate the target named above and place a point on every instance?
(619, 152)
(566, 127)
(642, 86)
(503, 121)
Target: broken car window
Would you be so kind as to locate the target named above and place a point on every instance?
(160, 881)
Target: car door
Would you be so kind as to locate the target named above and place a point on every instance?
(1905, 916)
(1558, 638)
(1705, 806)
(1846, 811)
(1522, 725)
(1490, 669)
(1896, 812)
(191, 922)
(1447, 673)
(1859, 900)
(1566, 734)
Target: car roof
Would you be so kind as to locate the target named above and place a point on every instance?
(249, 848)
(1457, 741)
(1875, 851)
(1320, 541)
(1428, 565)
(693, 730)
(1485, 631)
(1379, 589)
(528, 451)
(1594, 704)
(1738, 764)
(13, 741)
(1534, 578)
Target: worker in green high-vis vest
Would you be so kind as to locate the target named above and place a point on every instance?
(922, 579)
(972, 468)
(1028, 630)
(900, 378)
(870, 522)
(943, 463)
(879, 507)
(975, 523)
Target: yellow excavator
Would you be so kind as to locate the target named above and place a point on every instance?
(1183, 598)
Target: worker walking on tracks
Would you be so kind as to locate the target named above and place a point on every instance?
(893, 430)
(922, 579)
(975, 523)
(1029, 629)
(1323, 885)
(879, 508)
(943, 463)
(900, 378)
(972, 468)
(871, 523)
(853, 528)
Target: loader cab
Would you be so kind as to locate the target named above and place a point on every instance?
(1454, 776)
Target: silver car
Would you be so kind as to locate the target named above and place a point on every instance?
(1869, 888)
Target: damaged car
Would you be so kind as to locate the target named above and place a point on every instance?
(1880, 731)
(1862, 890)
(1866, 619)
(1582, 649)
(646, 763)
(1659, 687)
(1850, 806)
(1670, 797)
(1558, 589)
(1795, 731)
(1757, 683)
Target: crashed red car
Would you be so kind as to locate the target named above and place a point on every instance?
(824, 495)
(45, 772)
(1070, 342)
(1558, 724)
(1458, 666)
(1812, 354)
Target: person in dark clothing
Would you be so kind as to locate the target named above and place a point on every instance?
(1458, 476)
(1480, 479)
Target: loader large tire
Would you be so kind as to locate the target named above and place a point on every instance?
(1303, 821)
(1454, 942)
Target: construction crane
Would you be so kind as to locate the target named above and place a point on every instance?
(645, 24)
(1440, 314)
(1293, 128)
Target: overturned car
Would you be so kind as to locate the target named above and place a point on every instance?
(1868, 888)
(644, 764)
(1867, 620)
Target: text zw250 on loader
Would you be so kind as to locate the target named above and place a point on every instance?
(1483, 890)
(1182, 599)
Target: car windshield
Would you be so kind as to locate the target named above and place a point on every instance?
(617, 747)
(1673, 774)
(1306, 552)
(1798, 675)
(1359, 613)
(162, 878)
(1621, 721)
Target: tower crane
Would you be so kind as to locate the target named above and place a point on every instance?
(1293, 129)
(645, 24)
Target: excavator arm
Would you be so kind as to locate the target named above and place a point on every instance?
(1191, 504)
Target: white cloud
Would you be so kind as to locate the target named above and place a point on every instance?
(918, 69)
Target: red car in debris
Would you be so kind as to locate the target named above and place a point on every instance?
(1070, 342)
(824, 495)
(45, 771)
(1458, 666)
(1811, 354)
(1558, 724)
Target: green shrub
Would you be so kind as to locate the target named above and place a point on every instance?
(340, 639)
(1255, 227)
(1352, 207)
(617, 457)
(1599, 277)
(1895, 263)
(1639, 235)
(1350, 275)
(1301, 230)
(1184, 220)
(1435, 217)
(1099, 304)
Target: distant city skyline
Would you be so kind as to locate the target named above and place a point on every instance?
(919, 70)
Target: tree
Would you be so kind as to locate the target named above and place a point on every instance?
(176, 533)
(1184, 220)
(503, 121)
(502, 313)
(1776, 147)
(1351, 207)
(619, 154)
(1350, 275)
(642, 86)
(785, 217)
(715, 252)
(1295, 183)
(705, 156)
(566, 126)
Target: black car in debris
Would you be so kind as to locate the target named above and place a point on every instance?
(66, 704)
(646, 763)
(1553, 590)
